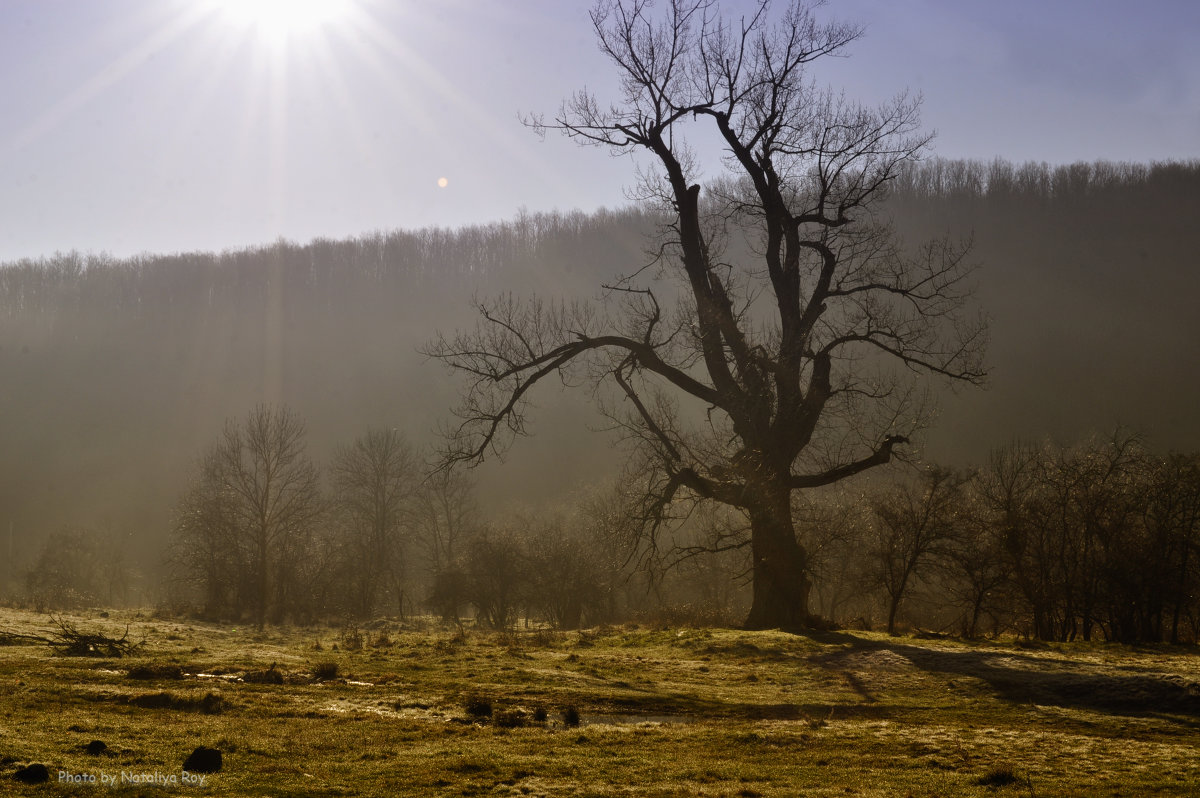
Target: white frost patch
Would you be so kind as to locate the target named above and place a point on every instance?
(225, 677)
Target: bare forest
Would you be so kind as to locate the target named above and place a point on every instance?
(1060, 502)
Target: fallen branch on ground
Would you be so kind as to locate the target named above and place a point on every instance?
(8, 638)
(70, 641)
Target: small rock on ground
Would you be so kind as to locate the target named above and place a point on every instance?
(33, 774)
(203, 760)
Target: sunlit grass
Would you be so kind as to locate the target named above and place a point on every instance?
(664, 712)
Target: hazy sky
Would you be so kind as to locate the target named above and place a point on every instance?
(168, 125)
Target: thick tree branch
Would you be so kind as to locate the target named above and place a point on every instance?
(879, 457)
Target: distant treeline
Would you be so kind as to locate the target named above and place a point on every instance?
(436, 259)
(1166, 181)
(114, 373)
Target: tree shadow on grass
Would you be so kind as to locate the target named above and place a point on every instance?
(1052, 679)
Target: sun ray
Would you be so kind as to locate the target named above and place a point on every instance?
(277, 21)
(130, 61)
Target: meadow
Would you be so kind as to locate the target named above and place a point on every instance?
(420, 709)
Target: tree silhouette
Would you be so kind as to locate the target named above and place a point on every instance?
(252, 508)
(783, 368)
(914, 524)
(374, 480)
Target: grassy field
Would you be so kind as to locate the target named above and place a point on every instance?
(679, 712)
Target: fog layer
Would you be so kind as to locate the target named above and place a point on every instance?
(117, 373)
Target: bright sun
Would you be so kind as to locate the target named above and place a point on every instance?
(281, 19)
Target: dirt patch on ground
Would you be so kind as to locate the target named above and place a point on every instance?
(880, 660)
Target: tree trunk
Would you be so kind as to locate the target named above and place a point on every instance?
(263, 585)
(893, 608)
(781, 583)
(976, 611)
(573, 614)
(1180, 593)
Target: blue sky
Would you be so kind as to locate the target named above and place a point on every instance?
(171, 125)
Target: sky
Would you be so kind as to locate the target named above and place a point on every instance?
(130, 126)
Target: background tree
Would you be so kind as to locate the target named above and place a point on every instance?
(835, 523)
(446, 521)
(1098, 489)
(779, 370)
(374, 479)
(205, 550)
(914, 524)
(976, 574)
(76, 567)
(571, 571)
(257, 494)
(1173, 530)
(1014, 494)
(496, 573)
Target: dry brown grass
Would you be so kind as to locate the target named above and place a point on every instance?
(663, 712)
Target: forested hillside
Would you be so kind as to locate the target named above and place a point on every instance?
(117, 373)
(1090, 275)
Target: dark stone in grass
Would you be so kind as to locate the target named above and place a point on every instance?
(203, 760)
(96, 747)
(33, 774)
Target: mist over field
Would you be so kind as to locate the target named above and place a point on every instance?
(119, 372)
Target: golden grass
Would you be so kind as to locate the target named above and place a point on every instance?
(677, 712)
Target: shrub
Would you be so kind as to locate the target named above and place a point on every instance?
(997, 777)
(269, 676)
(212, 704)
(478, 706)
(352, 639)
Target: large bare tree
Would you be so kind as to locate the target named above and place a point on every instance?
(781, 356)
